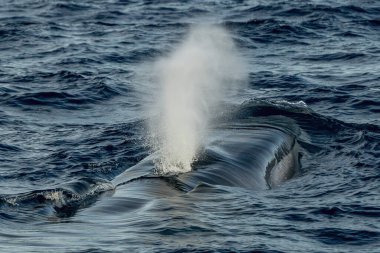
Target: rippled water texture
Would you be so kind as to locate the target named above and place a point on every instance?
(76, 170)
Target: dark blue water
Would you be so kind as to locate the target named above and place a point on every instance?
(71, 121)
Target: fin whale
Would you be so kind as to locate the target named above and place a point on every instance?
(254, 154)
(248, 155)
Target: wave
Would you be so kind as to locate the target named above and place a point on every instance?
(338, 56)
(64, 200)
(64, 100)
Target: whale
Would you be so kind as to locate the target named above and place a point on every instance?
(255, 155)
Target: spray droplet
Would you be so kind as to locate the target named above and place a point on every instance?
(193, 80)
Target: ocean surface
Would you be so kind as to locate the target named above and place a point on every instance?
(75, 77)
